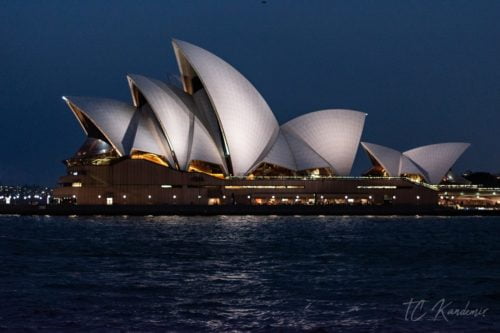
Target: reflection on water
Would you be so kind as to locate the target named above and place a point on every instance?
(244, 272)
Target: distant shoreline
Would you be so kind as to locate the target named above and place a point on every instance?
(283, 210)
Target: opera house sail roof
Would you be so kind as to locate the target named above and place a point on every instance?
(218, 123)
(247, 124)
(332, 134)
(431, 162)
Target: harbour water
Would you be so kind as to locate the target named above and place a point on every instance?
(248, 273)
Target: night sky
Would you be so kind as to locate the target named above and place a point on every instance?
(424, 71)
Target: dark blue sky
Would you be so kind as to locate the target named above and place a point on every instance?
(424, 71)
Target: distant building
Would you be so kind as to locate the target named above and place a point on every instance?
(216, 141)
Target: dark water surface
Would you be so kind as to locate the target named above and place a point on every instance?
(246, 273)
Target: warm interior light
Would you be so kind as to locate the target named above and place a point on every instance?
(210, 169)
(414, 177)
(157, 159)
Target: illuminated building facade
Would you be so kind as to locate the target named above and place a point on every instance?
(216, 141)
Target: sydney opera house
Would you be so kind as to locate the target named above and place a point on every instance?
(215, 141)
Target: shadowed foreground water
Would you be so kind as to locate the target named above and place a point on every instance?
(247, 273)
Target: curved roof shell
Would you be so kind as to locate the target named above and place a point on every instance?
(111, 118)
(305, 157)
(388, 158)
(432, 161)
(333, 134)
(437, 159)
(203, 148)
(294, 154)
(206, 114)
(408, 167)
(148, 135)
(248, 125)
(174, 114)
(280, 154)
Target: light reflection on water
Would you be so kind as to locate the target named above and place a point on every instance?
(243, 272)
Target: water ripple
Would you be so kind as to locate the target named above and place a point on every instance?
(244, 273)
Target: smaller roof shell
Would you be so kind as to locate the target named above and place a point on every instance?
(110, 117)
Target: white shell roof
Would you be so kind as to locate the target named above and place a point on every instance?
(437, 159)
(174, 115)
(305, 157)
(148, 136)
(177, 115)
(280, 154)
(248, 124)
(292, 153)
(334, 134)
(432, 161)
(110, 117)
(407, 166)
(388, 158)
(203, 147)
(205, 113)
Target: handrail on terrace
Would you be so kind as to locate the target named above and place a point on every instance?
(433, 187)
(310, 177)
